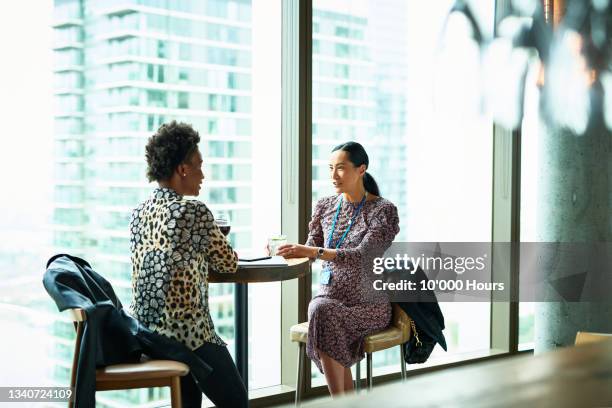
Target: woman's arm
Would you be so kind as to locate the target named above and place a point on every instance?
(315, 230)
(221, 256)
(381, 232)
(313, 242)
(305, 251)
(219, 253)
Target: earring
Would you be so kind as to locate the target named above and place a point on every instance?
(184, 174)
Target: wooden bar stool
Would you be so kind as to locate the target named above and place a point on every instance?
(397, 334)
(152, 373)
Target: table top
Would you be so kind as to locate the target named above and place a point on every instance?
(579, 376)
(296, 268)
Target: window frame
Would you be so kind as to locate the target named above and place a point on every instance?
(296, 140)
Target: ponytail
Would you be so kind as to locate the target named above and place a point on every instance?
(370, 184)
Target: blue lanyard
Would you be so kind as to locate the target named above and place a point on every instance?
(331, 234)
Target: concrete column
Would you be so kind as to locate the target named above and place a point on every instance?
(574, 204)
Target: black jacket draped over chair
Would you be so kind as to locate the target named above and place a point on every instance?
(111, 336)
(422, 307)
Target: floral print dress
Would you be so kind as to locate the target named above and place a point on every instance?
(348, 308)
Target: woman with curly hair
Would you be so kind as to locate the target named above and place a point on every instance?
(174, 242)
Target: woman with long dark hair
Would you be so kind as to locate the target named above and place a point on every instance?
(347, 231)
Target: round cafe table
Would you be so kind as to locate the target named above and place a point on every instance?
(296, 268)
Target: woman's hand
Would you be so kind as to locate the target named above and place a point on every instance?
(296, 251)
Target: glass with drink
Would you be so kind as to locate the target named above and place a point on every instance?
(274, 242)
(223, 221)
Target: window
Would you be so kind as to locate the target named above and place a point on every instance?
(183, 100)
(342, 31)
(530, 157)
(222, 74)
(157, 98)
(374, 85)
(161, 49)
(212, 102)
(185, 51)
(199, 69)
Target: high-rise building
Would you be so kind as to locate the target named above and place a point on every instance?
(359, 90)
(122, 69)
(359, 93)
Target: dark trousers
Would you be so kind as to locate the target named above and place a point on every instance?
(224, 387)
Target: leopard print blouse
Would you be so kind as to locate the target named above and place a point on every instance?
(174, 242)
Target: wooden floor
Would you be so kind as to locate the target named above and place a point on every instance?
(575, 376)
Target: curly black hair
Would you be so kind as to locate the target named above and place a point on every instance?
(173, 143)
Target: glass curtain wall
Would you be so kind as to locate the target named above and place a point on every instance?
(120, 69)
(529, 187)
(376, 70)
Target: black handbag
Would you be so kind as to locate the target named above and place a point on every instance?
(418, 349)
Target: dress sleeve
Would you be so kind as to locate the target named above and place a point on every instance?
(315, 230)
(209, 239)
(382, 230)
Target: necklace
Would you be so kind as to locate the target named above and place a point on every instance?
(357, 203)
(355, 214)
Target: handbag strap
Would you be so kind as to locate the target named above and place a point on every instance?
(415, 333)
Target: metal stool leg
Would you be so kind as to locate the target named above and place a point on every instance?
(300, 374)
(358, 376)
(403, 361)
(369, 369)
